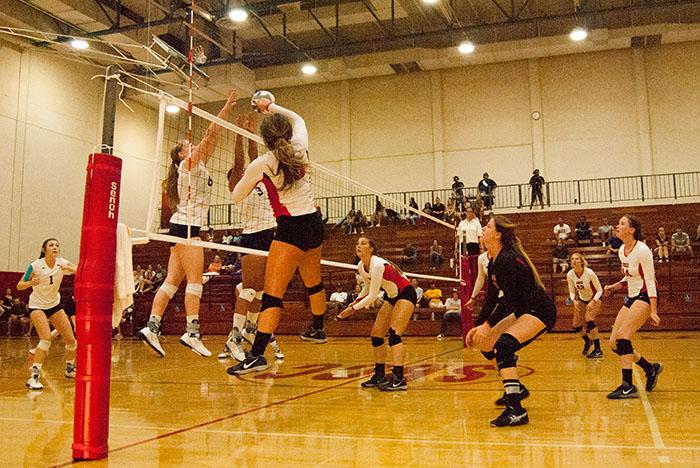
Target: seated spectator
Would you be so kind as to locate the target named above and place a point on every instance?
(161, 273)
(215, 265)
(346, 222)
(324, 220)
(412, 216)
(438, 209)
(436, 257)
(379, 214)
(147, 279)
(355, 293)
(453, 310)
(7, 300)
(605, 230)
(427, 209)
(19, 315)
(138, 279)
(359, 223)
(409, 256)
(451, 212)
(560, 256)
(227, 238)
(680, 243)
(614, 243)
(662, 244)
(392, 216)
(231, 264)
(434, 297)
(562, 230)
(583, 230)
(419, 292)
(337, 301)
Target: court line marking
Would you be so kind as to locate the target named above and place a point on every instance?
(651, 420)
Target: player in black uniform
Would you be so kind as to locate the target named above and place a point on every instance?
(522, 312)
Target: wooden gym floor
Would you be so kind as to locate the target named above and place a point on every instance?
(184, 410)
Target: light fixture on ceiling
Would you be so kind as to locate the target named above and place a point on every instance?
(309, 69)
(578, 34)
(466, 47)
(430, 2)
(238, 15)
(79, 44)
(172, 109)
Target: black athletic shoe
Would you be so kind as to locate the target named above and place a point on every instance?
(624, 391)
(376, 381)
(249, 364)
(524, 393)
(653, 376)
(314, 336)
(595, 354)
(511, 417)
(394, 385)
(586, 347)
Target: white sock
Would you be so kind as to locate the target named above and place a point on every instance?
(239, 321)
(253, 317)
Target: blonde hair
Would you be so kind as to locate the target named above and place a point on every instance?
(508, 239)
(579, 255)
(276, 131)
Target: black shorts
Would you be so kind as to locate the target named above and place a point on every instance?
(642, 296)
(304, 232)
(49, 312)
(408, 293)
(582, 301)
(180, 230)
(546, 311)
(260, 240)
(69, 306)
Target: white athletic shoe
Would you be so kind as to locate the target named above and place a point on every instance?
(233, 348)
(54, 333)
(279, 355)
(151, 339)
(195, 344)
(34, 383)
(33, 350)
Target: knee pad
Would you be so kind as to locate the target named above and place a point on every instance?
(590, 325)
(169, 289)
(394, 339)
(577, 329)
(247, 294)
(194, 288)
(505, 348)
(72, 347)
(315, 289)
(623, 347)
(377, 342)
(269, 301)
(44, 345)
(489, 355)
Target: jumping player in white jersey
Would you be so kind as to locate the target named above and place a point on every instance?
(637, 264)
(258, 231)
(393, 316)
(585, 292)
(44, 276)
(284, 170)
(188, 186)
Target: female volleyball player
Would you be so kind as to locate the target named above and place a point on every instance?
(44, 276)
(639, 306)
(585, 292)
(523, 313)
(393, 316)
(258, 231)
(189, 187)
(284, 170)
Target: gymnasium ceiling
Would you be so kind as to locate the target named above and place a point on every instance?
(351, 38)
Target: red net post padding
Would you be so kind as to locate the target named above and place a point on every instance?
(94, 295)
(469, 271)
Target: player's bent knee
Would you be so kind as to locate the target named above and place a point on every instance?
(268, 302)
(394, 339)
(506, 346)
(377, 341)
(623, 347)
(169, 289)
(194, 289)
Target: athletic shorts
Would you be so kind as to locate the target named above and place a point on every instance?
(180, 230)
(582, 301)
(642, 296)
(69, 306)
(546, 311)
(304, 232)
(260, 240)
(408, 293)
(49, 312)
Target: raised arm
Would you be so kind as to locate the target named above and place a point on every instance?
(300, 135)
(205, 148)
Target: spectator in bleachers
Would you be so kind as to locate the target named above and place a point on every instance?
(560, 256)
(605, 230)
(451, 212)
(436, 257)
(324, 219)
(413, 217)
(232, 263)
(355, 293)
(215, 265)
(438, 209)
(536, 183)
(427, 209)
(149, 275)
(7, 300)
(419, 291)
(392, 216)
(453, 310)
(359, 223)
(346, 222)
(470, 232)
(161, 273)
(434, 297)
(19, 315)
(614, 243)
(458, 192)
(583, 230)
(662, 244)
(227, 238)
(680, 243)
(138, 279)
(487, 187)
(562, 230)
(337, 301)
(409, 256)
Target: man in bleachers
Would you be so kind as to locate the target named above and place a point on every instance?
(583, 230)
(560, 256)
(453, 311)
(434, 297)
(605, 230)
(337, 301)
(409, 256)
(562, 230)
(680, 243)
(614, 243)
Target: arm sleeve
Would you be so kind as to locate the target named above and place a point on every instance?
(299, 133)
(646, 260)
(597, 286)
(28, 273)
(572, 287)
(376, 273)
(252, 175)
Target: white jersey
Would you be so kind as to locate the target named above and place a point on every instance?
(200, 183)
(470, 231)
(45, 295)
(256, 213)
(381, 275)
(638, 268)
(294, 200)
(587, 286)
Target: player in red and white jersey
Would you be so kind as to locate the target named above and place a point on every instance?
(585, 292)
(44, 276)
(284, 170)
(639, 306)
(393, 316)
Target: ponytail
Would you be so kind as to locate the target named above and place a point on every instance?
(276, 130)
(169, 185)
(509, 240)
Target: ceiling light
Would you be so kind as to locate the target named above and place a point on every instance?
(578, 34)
(430, 2)
(238, 15)
(172, 109)
(79, 44)
(466, 47)
(309, 69)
